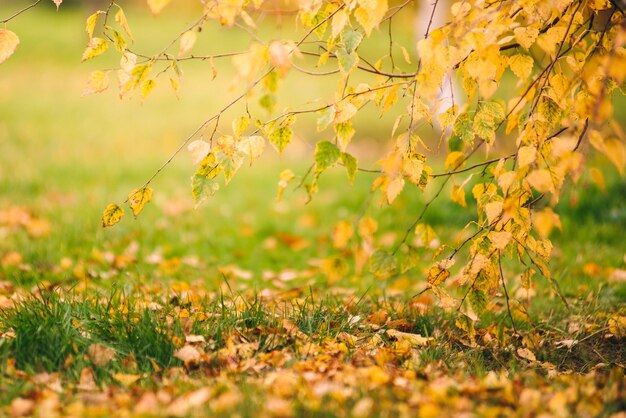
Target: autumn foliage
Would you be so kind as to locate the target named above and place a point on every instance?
(536, 80)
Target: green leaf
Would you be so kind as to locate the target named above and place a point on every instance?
(326, 118)
(138, 199)
(280, 138)
(270, 82)
(478, 300)
(550, 110)
(344, 132)
(267, 102)
(486, 119)
(230, 164)
(463, 128)
(326, 155)
(112, 215)
(411, 259)
(351, 40)
(455, 143)
(347, 61)
(351, 165)
(203, 187)
(382, 264)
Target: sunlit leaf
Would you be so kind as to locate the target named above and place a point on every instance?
(351, 165)
(187, 41)
(203, 187)
(8, 42)
(382, 264)
(326, 155)
(95, 47)
(157, 5)
(98, 81)
(138, 199)
(120, 18)
(280, 138)
(90, 24)
(112, 215)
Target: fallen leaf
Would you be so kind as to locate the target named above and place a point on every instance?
(194, 339)
(187, 354)
(21, 407)
(526, 354)
(184, 404)
(415, 340)
(100, 355)
(126, 379)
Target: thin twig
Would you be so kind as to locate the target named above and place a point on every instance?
(229, 105)
(19, 12)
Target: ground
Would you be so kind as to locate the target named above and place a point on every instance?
(252, 307)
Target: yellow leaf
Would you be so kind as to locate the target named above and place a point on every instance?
(138, 199)
(500, 239)
(544, 221)
(285, 177)
(447, 118)
(126, 379)
(454, 160)
(370, 13)
(616, 153)
(526, 36)
(120, 18)
(342, 233)
(598, 178)
(95, 47)
(548, 41)
(57, 3)
(526, 354)
(437, 275)
(187, 41)
(541, 180)
(8, 42)
(394, 188)
(493, 211)
(157, 5)
(112, 215)
(344, 111)
(198, 150)
(406, 55)
(526, 156)
(414, 340)
(175, 85)
(339, 21)
(458, 195)
(146, 88)
(90, 24)
(100, 355)
(187, 354)
(521, 65)
(98, 81)
(252, 146)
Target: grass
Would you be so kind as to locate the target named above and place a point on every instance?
(253, 276)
